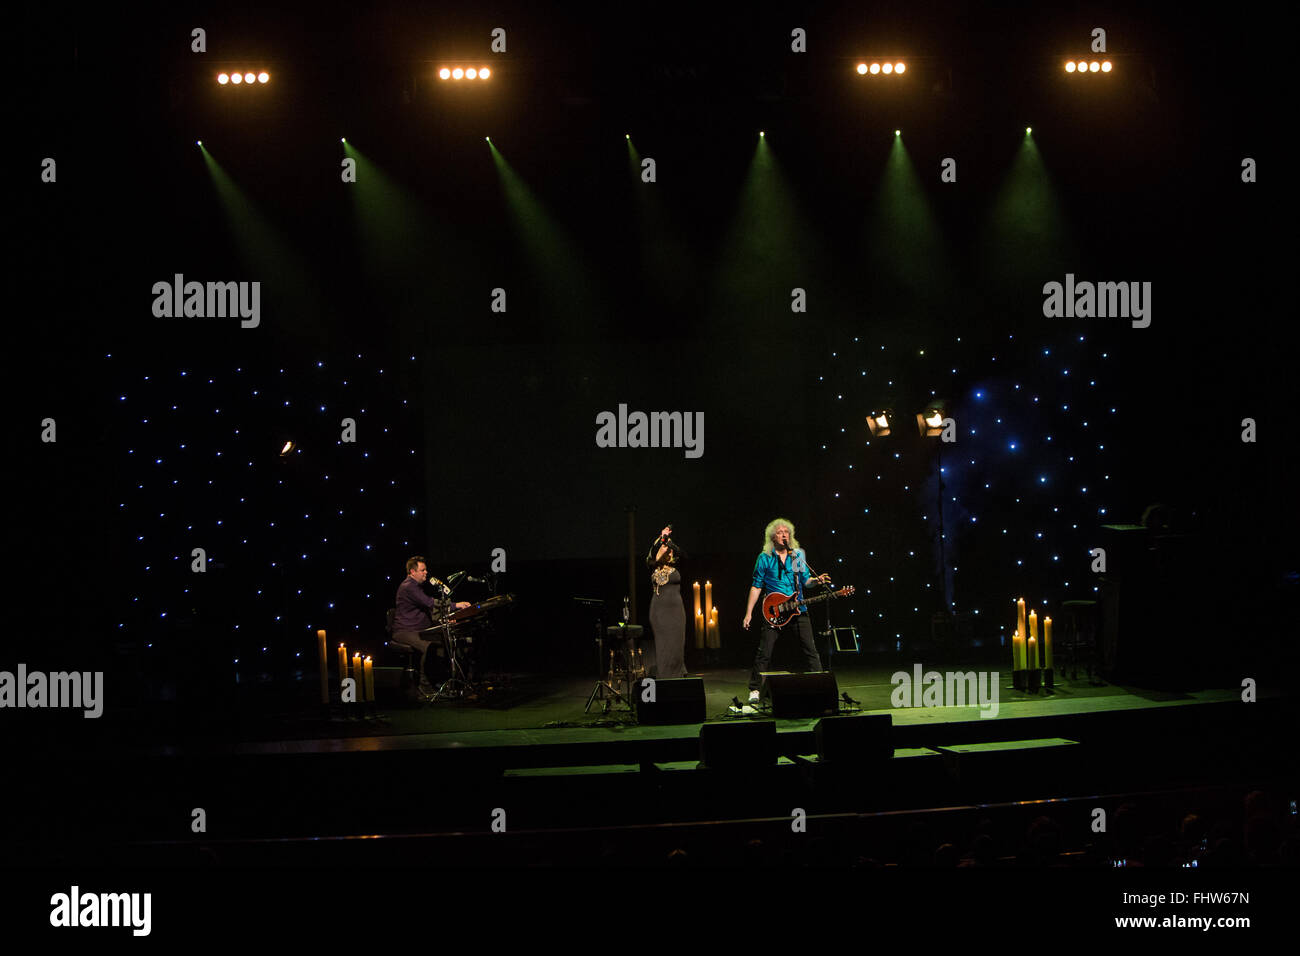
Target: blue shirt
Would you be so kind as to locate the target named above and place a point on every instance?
(777, 578)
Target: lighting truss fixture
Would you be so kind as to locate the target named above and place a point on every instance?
(464, 73)
(1088, 66)
(897, 67)
(235, 78)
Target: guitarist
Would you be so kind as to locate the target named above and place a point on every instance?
(782, 568)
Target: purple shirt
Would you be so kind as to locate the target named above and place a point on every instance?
(413, 607)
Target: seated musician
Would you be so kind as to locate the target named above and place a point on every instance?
(416, 611)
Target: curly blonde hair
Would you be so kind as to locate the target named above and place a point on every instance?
(772, 526)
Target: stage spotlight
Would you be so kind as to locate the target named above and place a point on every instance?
(237, 78)
(762, 134)
(484, 73)
(444, 74)
(457, 73)
(1094, 66)
(1069, 66)
(263, 77)
(471, 74)
(900, 67)
(1083, 67)
(223, 79)
(862, 69)
(887, 68)
(287, 448)
(249, 78)
(879, 424)
(1029, 130)
(343, 139)
(198, 143)
(898, 132)
(1105, 66)
(875, 68)
(930, 423)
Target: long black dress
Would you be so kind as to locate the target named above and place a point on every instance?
(668, 615)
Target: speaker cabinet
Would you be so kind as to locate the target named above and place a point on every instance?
(804, 695)
(738, 745)
(855, 738)
(678, 701)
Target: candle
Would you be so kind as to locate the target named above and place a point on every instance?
(343, 663)
(699, 629)
(1020, 619)
(1033, 624)
(1033, 653)
(708, 598)
(356, 676)
(1047, 643)
(370, 680)
(324, 670)
(713, 628)
(696, 588)
(1017, 652)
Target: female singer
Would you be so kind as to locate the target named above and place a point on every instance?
(667, 613)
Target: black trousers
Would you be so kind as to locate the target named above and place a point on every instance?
(413, 639)
(767, 636)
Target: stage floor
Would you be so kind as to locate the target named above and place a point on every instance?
(530, 709)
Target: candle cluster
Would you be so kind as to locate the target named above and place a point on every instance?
(363, 673)
(1031, 662)
(706, 628)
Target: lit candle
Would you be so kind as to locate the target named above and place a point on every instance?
(699, 629)
(370, 680)
(696, 588)
(324, 669)
(356, 676)
(1020, 619)
(1017, 652)
(713, 628)
(1047, 643)
(1033, 653)
(708, 597)
(343, 663)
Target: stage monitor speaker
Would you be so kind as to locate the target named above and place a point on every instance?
(804, 695)
(855, 738)
(738, 745)
(677, 701)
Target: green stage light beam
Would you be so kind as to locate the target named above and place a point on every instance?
(906, 254)
(264, 250)
(664, 261)
(552, 255)
(770, 250)
(1027, 238)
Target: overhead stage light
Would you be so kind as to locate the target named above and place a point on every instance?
(223, 79)
(263, 77)
(875, 69)
(471, 74)
(237, 78)
(1094, 66)
(484, 73)
(457, 73)
(444, 73)
(1069, 66)
(1105, 66)
(250, 78)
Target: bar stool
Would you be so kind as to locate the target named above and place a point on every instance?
(1081, 638)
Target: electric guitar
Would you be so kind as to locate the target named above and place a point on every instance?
(778, 609)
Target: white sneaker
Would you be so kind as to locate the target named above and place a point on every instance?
(753, 697)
